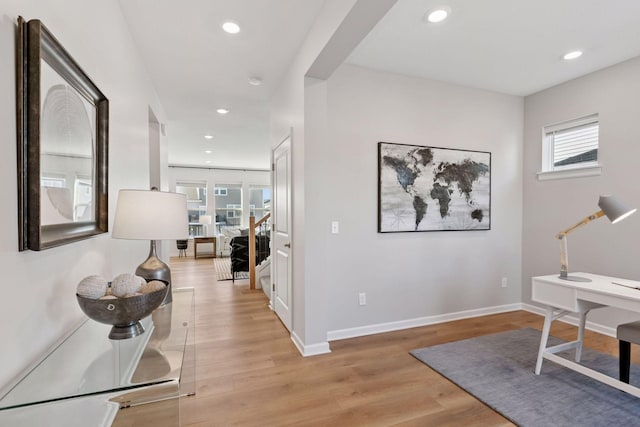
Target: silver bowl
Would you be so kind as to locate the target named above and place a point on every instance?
(123, 313)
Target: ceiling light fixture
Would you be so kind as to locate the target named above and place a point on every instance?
(207, 151)
(231, 27)
(573, 55)
(208, 136)
(222, 111)
(255, 81)
(207, 161)
(437, 15)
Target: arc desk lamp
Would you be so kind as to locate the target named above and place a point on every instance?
(613, 208)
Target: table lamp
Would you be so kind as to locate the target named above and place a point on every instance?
(613, 208)
(205, 220)
(151, 215)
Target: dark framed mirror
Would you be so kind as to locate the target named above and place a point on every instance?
(63, 121)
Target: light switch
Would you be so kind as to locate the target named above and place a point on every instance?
(335, 227)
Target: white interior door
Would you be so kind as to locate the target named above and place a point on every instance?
(281, 295)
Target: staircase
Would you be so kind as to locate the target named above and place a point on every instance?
(263, 276)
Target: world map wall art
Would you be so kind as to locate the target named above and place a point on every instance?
(432, 189)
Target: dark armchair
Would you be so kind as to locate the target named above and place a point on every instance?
(240, 252)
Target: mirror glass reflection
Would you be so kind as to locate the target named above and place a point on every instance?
(66, 152)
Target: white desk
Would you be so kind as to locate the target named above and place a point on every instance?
(562, 297)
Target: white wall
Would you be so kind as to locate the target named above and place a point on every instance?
(327, 270)
(287, 116)
(410, 275)
(38, 300)
(551, 206)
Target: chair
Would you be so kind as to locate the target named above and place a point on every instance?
(240, 253)
(182, 248)
(627, 333)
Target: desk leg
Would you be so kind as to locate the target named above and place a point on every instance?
(583, 322)
(544, 338)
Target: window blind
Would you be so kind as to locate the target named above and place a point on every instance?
(577, 144)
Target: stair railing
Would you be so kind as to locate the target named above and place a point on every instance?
(262, 225)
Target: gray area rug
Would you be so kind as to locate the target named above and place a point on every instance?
(498, 370)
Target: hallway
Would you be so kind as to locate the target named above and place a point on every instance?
(249, 373)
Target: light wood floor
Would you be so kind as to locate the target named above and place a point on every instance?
(250, 374)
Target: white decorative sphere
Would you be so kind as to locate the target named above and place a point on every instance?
(92, 287)
(124, 284)
(152, 286)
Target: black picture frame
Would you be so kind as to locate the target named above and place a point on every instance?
(35, 45)
(423, 188)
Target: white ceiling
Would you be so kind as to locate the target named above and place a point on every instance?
(197, 68)
(508, 46)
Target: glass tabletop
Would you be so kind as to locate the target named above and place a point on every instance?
(88, 362)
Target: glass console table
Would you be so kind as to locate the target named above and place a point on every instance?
(88, 378)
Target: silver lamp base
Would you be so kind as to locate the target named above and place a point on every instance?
(573, 278)
(154, 269)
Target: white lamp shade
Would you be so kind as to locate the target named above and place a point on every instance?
(150, 215)
(205, 219)
(614, 209)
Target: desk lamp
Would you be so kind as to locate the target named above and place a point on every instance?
(151, 215)
(613, 208)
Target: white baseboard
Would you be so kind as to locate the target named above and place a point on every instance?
(573, 320)
(323, 348)
(420, 321)
(310, 350)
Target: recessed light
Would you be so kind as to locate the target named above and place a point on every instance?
(573, 55)
(255, 81)
(207, 151)
(208, 136)
(207, 161)
(222, 111)
(437, 15)
(231, 27)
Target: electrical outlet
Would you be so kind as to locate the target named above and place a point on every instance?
(362, 298)
(504, 282)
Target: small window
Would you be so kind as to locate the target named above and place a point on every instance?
(571, 145)
(219, 191)
(49, 181)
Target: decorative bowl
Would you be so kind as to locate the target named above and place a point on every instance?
(123, 313)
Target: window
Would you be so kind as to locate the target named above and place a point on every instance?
(49, 181)
(196, 193)
(259, 201)
(228, 203)
(571, 145)
(82, 195)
